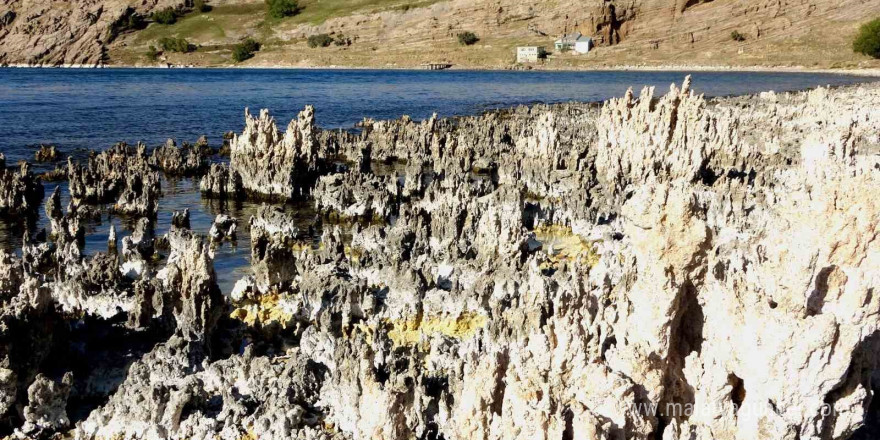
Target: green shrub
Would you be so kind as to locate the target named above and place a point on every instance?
(282, 8)
(342, 40)
(135, 21)
(868, 39)
(130, 21)
(320, 40)
(170, 44)
(737, 36)
(165, 16)
(153, 53)
(245, 50)
(201, 6)
(467, 38)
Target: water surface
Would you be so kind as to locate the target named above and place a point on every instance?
(94, 108)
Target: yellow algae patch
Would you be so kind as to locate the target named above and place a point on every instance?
(354, 254)
(264, 310)
(410, 332)
(562, 244)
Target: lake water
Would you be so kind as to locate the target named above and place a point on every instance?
(79, 110)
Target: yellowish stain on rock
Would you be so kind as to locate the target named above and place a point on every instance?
(411, 332)
(264, 310)
(562, 244)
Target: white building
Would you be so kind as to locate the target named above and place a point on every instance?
(583, 44)
(575, 41)
(530, 54)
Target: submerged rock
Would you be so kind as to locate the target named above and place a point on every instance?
(47, 153)
(223, 228)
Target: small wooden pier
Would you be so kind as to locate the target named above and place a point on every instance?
(437, 66)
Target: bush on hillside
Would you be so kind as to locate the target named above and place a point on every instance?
(467, 38)
(320, 40)
(165, 16)
(737, 36)
(282, 8)
(868, 39)
(135, 21)
(342, 40)
(245, 50)
(153, 53)
(169, 44)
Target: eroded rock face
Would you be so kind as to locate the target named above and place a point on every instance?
(47, 401)
(122, 175)
(274, 165)
(20, 191)
(180, 161)
(356, 195)
(36, 33)
(654, 267)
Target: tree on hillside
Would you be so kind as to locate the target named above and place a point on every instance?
(165, 16)
(868, 39)
(467, 38)
(319, 40)
(282, 8)
(170, 44)
(245, 50)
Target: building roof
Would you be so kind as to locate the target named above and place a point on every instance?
(573, 38)
(569, 38)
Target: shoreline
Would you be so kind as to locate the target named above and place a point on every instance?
(866, 72)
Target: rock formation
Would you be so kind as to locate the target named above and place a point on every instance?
(20, 191)
(37, 33)
(655, 267)
(186, 161)
(269, 165)
(47, 153)
(122, 175)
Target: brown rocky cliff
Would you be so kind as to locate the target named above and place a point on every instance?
(72, 32)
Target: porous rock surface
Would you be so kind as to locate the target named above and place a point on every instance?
(653, 267)
(20, 191)
(267, 164)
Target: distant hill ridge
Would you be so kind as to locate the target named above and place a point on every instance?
(395, 33)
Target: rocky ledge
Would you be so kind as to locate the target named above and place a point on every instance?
(652, 267)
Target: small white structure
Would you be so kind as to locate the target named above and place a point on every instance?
(575, 41)
(583, 44)
(530, 54)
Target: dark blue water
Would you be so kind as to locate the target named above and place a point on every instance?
(93, 109)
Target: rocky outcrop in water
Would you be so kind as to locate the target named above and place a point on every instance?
(180, 161)
(655, 267)
(268, 164)
(20, 191)
(122, 175)
(47, 153)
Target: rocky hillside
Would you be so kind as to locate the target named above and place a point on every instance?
(59, 32)
(811, 33)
